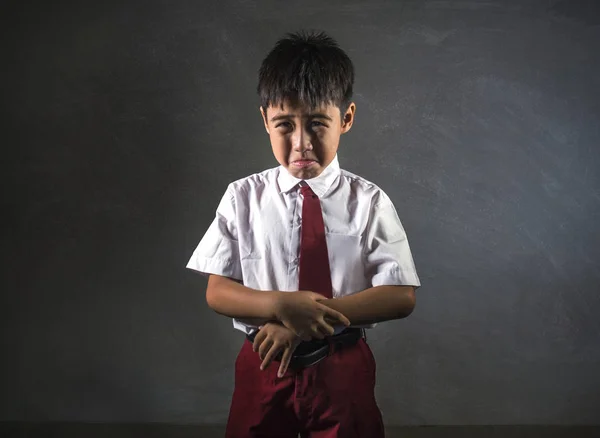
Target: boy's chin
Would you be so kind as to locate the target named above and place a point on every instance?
(307, 173)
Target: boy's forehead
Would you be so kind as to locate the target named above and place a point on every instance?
(300, 109)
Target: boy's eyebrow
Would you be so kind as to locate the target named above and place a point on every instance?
(321, 116)
(280, 117)
(310, 116)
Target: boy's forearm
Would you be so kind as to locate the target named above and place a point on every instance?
(230, 298)
(376, 304)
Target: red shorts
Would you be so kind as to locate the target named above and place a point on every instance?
(333, 398)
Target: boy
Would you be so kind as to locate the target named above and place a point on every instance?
(304, 256)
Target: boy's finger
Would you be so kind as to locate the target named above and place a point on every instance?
(316, 332)
(326, 328)
(285, 361)
(264, 348)
(331, 321)
(269, 357)
(258, 339)
(335, 314)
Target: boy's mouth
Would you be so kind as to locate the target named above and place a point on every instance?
(303, 163)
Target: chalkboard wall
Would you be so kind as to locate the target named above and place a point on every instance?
(123, 122)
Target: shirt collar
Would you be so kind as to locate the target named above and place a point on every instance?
(320, 184)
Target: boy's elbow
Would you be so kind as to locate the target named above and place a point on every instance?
(409, 301)
(211, 293)
(210, 297)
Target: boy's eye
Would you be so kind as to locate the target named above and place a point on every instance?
(316, 123)
(285, 125)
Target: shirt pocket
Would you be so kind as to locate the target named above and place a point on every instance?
(346, 263)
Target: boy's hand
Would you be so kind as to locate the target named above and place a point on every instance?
(305, 316)
(272, 338)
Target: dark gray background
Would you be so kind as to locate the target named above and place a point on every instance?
(124, 122)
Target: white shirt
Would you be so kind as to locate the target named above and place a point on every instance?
(255, 236)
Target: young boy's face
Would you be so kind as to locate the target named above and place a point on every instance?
(305, 141)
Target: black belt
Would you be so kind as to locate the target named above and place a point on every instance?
(311, 352)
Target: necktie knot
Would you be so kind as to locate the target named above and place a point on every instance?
(307, 191)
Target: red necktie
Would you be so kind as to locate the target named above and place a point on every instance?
(315, 275)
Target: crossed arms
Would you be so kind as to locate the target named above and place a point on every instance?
(288, 318)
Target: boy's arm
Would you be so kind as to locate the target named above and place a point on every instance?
(302, 312)
(390, 269)
(231, 298)
(375, 304)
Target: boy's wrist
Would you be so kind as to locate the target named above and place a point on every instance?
(273, 304)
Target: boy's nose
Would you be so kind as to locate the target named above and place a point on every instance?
(301, 141)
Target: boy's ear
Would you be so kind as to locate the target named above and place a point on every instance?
(348, 118)
(263, 113)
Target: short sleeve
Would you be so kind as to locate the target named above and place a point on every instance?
(218, 251)
(387, 255)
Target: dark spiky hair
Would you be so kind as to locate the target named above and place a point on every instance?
(307, 68)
